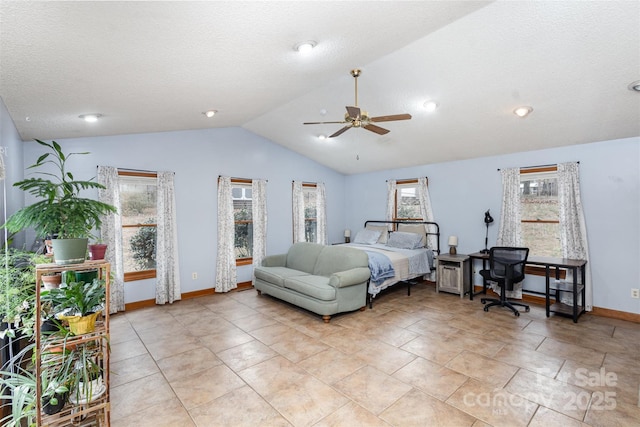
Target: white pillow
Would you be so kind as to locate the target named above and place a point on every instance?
(417, 229)
(399, 239)
(384, 232)
(367, 237)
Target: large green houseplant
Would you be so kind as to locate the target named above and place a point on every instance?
(60, 211)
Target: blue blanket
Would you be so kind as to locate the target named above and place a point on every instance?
(380, 266)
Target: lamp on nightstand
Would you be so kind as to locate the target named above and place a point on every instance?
(453, 242)
(347, 236)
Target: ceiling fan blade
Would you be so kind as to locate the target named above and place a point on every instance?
(391, 118)
(322, 123)
(341, 131)
(376, 129)
(354, 112)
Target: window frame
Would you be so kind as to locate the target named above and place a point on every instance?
(245, 182)
(400, 183)
(142, 274)
(308, 185)
(535, 270)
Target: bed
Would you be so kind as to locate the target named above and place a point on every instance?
(395, 256)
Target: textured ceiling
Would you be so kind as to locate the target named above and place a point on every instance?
(156, 66)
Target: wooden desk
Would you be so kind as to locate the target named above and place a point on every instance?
(576, 287)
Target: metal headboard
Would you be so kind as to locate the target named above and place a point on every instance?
(430, 227)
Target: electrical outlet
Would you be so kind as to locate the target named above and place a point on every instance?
(635, 293)
(194, 276)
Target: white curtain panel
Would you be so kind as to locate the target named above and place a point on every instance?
(167, 265)
(321, 212)
(111, 235)
(391, 199)
(509, 231)
(573, 228)
(427, 214)
(259, 209)
(298, 212)
(226, 276)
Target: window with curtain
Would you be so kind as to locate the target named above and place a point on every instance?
(241, 194)
(540, 211)
(138, 207)
(407, 205)
(309, 212)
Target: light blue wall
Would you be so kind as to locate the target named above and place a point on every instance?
(198, 157)
(462, 191)
(12, 156)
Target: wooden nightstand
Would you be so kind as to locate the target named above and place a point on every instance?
(453, 274)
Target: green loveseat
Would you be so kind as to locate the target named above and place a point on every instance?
(323, 279)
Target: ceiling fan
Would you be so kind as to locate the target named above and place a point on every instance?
(355, 118)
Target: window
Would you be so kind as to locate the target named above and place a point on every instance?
(540, 212)
(310, 192)
(407, 201)
(138, 192)
(243, 219)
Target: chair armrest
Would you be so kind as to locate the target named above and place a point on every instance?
(350, 277)
(279, 260)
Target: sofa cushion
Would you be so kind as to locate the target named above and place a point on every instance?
(313, 286)
(302, 256)
(337, 258)
(276, 275)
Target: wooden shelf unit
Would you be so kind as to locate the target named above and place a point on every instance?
(96, 412)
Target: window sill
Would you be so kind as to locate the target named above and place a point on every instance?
(244, 261)
(139, 275)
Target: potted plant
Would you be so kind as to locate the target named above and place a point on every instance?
(79, 303)
(60, 211)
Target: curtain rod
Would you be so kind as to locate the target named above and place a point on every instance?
(241, 179)
(132, 170)
(407, 179)
(540, 166)
(307, 182)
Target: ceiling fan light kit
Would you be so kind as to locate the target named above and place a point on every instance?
(634, 86)
(356, 118)
(305, 47)
(90, 118)
(210, 113)
(430, 106)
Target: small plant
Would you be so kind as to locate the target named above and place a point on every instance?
(76, 298)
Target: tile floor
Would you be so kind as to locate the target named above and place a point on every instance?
(430, 359)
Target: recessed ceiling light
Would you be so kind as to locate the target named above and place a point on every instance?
(634, 86)
(430, 106)
(523, 111)
(210, 113)
(305, 47)
(91, 118)
(322, 137)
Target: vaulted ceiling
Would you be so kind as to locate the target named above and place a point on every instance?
(157, 66)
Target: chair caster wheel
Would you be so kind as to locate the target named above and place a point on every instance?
(517, 313)
(486, 309)
(483, 301)
(526, 309)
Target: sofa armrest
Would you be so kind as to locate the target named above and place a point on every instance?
(350, 277)
(275, 261)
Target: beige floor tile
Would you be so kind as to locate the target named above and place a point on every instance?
(493, 406)
(270, 334)
(623, 415)
(391, 334)
(176, 345)
(297, 346)
(482, 368)
(188, 363)
(131, 369)
(165, 333)
(166, 414)
(245, 355)
(225, 339)
(419, 409)
(573, 352)
(476, 343)
(253, 322)
(272, 375)
(526, 358)
(431, 378)
(545, 417)
(553, 394)
(205, 386)
(386, 357)
(372, 389)
(352, 415)
(240, 407)
(434, 348)
(437, 327)
(139, 395)
(349, 341)
(126, 349)
(331, 365)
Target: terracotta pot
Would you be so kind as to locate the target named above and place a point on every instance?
(52, 282)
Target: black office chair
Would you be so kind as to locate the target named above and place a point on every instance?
(506, 267)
